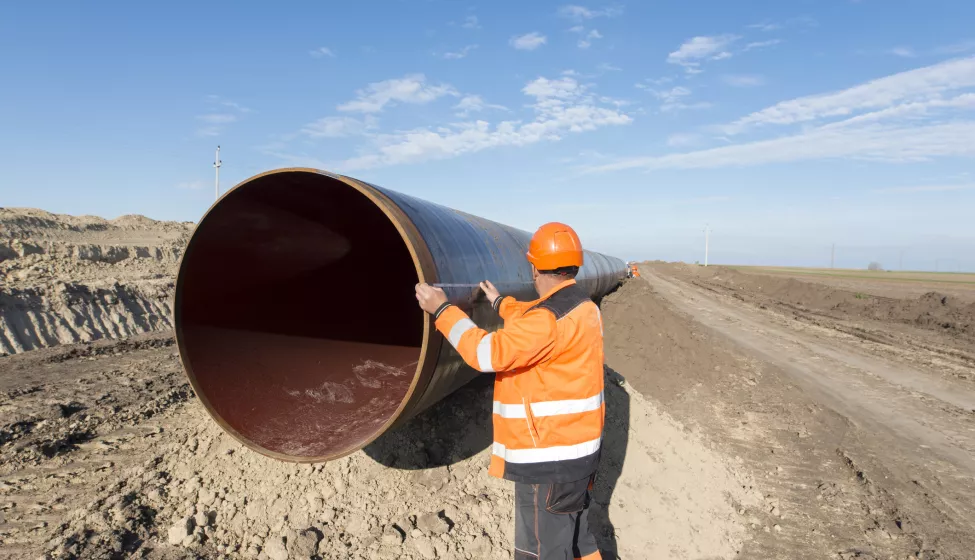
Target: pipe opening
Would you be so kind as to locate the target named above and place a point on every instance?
(296, 316)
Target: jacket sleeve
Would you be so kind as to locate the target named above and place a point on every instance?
(523, 342)
(510, 308)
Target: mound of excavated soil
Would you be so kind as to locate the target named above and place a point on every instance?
(932, 311)
(66, 279)
(648, 340)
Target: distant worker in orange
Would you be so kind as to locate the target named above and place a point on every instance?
(548, 394)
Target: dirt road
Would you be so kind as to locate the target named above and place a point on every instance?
(915, 425)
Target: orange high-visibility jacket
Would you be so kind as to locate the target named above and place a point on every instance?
(548, 393)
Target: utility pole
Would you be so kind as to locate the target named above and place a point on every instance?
(216, 165)
(707, 235)
(832, 257)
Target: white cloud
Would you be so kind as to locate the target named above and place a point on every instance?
(766, 26)
(607, 67)
(475, 104)
(528, 41)
(671, 94)
(193, 185)
(906, 110)
(561, 88)
(322, 51)
(697, 49)
(903, 52)
(218, 118)
(913, 85)
(216, 99)
(561, 106)
(682, 139)
(874, 142)
(577, 29)
(672, 100)
(338, 127)
(761, 44)
(470, 22)
(411, 88)
(957, 48)
(908, 117)
(703, 200)
(579, 13)
(459, 54)
(743, 80)
(586, 42)
(925, 188)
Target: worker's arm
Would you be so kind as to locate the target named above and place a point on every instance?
(522, 343)
(506, 306)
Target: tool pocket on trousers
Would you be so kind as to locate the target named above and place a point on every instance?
(568, 497)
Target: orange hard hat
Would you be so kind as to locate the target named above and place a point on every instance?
(553, 246)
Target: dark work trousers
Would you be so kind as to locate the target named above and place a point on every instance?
(552, 521)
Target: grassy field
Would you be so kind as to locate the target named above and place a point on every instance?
(886, 276)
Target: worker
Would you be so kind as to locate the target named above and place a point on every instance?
(548, 394)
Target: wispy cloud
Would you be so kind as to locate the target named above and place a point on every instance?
(713, 199)
(682, 139)
(766, 26)
(743, 80)
(887, 143)
(217, 100)
(912, 85)
(218, 118)
(903, 52)
(906, 117)
(412, 88)
(761, 44)
(561, 106)
(673, 100)
(193, 185)
(698, 49)
(607, 67)
(956, 48)
(338, 127)
(528, 41)
(586, 41)
(924, 188)
(321, 52)
(475, 104)
(457, 55)
(470, 22)
(580, 13)
(222, 113)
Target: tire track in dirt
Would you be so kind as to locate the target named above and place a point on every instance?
(909, 449)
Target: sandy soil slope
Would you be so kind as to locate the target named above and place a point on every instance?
(67, 279)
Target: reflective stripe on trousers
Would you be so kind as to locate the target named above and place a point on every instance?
(546, 454)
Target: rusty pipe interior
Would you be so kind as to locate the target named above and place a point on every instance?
(296, 318)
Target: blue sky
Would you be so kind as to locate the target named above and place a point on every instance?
(786, 126)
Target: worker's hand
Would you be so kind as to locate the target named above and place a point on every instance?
(430, 298)
(490, 292)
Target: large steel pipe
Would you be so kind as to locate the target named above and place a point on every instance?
(295, 315)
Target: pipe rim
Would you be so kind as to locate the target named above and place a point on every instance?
(426, 273)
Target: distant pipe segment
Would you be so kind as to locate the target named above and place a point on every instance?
(295, 314)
